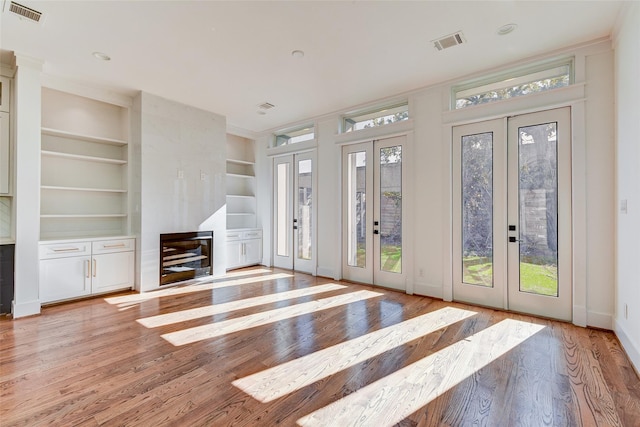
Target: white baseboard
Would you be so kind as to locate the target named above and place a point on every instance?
(327, 272)
(25, 309)
(600, 320)
(426, 289)
(580, 315)
(631, 348)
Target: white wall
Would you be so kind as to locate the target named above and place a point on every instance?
(627, 72)
(170, 137)
(431, 254)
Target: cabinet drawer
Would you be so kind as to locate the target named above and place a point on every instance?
(64, 250)
(252, 234)
(110, 246)
(234, 235)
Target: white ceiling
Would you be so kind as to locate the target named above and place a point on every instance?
(229, 57)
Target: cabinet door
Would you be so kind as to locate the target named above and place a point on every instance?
(234, 254)
(5, 92)
(111, 272)
(252, 251)
(5, 152)
(64, 278)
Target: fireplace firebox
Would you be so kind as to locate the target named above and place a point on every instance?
(185, 256)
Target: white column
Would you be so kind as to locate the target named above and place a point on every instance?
(27, 185)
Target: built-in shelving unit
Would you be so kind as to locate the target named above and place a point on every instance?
(84, 167)
(241, 200)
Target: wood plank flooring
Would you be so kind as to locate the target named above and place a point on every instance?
(266, 347)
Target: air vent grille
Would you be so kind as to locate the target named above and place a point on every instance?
(266, 106)
(25, 12)
(449, 41)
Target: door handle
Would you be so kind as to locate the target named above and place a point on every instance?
(95, 267)
(512, 239)
(88, 270)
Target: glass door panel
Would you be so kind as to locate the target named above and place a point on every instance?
(303, 213)
(390, 224)
(305, 205)
(540, 213)
(477, 209)
(356, 206)
(538, 198)
(282, 215)
(479, 186)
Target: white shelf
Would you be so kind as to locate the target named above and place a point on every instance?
(238, 175)
(240, 196)
(96, 190)
(241, 162)
(83, 157)
(84, 216)
(90, 138)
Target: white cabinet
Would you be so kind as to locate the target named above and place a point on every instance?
(5, 154)
(84, 168)
(73, 269)
(244, 248)
(5, 94)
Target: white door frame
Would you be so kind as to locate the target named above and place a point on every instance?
(505, 292)
(289, 204)
(371, 273)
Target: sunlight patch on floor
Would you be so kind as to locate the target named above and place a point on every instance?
(211, 310)
(183, 290)
(203, 332)
(288, 377)
(393, 398)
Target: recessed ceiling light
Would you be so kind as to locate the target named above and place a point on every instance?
(506, 29)
(297, 54)
(102, 56)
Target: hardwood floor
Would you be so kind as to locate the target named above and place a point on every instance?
(267, 347)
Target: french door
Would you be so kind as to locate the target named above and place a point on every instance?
(512, 213)
(373, 177)
(294, 212)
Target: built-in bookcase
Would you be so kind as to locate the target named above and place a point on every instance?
(241, 200)
(84, 167)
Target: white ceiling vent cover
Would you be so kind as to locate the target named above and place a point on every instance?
(449, 41)
(266, 106)
(25, 12)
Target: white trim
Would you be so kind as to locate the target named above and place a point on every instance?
(381, 132)
(24, 309)
(630, 347)
(428, 289)
(299, 147)
(547, 100)
(238, 131)
(92, 92)
(600, 320)
(326, 272)
(579, 213)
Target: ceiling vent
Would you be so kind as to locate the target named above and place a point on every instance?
(266, 106)
(449, 41)
(25, 12)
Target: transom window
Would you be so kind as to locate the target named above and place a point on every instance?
(377, 117)
(294, 136)
(513, 84)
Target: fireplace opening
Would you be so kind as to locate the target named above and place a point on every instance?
(185, 256)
